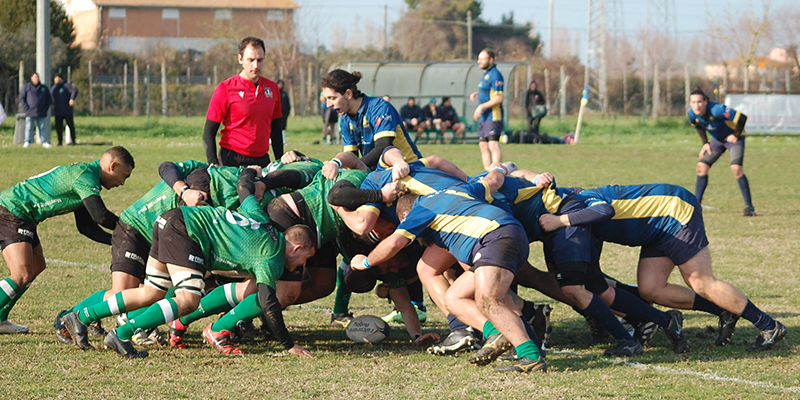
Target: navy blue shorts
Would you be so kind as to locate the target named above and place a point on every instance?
(505, 247)
(681, 247)
(570, 244)
(718, 147)
(489, 130)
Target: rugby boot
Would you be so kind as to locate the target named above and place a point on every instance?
(10, 327)
(341, 320)
(149, 337)
(676, 333)
(96, 329)
(495, 345)
(220, 341)
(176, 332)
(749, 211)
(396, 316)
(767, 338)
(524, 364)
(123, 347)
(62, 334)
(456, 341)
(727, 324)
(625, 348)
(77, 330)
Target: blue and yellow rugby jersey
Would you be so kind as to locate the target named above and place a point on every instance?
(719, 120)
(376, 119)
(421, 180)
(490, 86)
(527, 202)
(455, 219)
(644, 214)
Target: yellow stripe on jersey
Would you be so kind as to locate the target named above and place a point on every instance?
(526, 193)
(551, 200)
(425, 162)
(401, 142)
(654, 206)
(417, 187)
(351, 147)
(732, 124)
(489, 197)
(471, 226)
(462, 194)
(383, 134)
(369, 208)
(496, 113)
(408, 235)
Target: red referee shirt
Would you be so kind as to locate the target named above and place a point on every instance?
(245, 113)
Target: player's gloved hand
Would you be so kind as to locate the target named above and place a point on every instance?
(550, 222)
(300, 351)
(706, 149)
(290, 157)
(330, 170)
(400, 171)
(426, 339)
(256, 168)
(194, 197)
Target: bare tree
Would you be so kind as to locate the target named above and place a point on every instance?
(786, 32)
(743, 34)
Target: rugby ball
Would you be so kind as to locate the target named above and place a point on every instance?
(368, 329)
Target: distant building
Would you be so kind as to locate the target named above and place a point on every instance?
(777, 58)
(137, 25)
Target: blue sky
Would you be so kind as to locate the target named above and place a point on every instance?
(320, 17)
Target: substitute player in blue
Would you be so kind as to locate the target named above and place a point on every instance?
(486, 238)
(667, 222)
(726, 127)
(368, 124)
(489, 112)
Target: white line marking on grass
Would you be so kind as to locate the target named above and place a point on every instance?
(707, 375)
(76, 264)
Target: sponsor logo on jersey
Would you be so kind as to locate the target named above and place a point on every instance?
(47, 203)
(365, 122)
(153, 203)
(241, 93)
(272, 234)
(161, 222)
(268, 93)
(383, 118)
(25, 232)
(195, 259)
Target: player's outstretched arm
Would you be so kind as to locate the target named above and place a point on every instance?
(446, 166)
(385, 250)
(273, 316)
(89, 228)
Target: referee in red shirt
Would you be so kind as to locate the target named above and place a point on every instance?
(247, 105)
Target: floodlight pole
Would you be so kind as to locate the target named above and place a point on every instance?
(550, 39)
(385, 33)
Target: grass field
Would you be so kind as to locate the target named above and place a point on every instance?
(758, 255)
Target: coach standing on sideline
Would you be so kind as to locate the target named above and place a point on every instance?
(64, 96)
(726, 127)
(489, 112)
(35, 100)
(249, 106)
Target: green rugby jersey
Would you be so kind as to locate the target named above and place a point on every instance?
(60, 190)
(316, 196)
(238, 240)
(143, 214)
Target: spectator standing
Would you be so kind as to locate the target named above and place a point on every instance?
(35, 100)
(412, 117)
(329, 118)
(249, 107)
(3, 115)
(279, 137)
(450, 120)
(64, 95)
(489, 112)
(536, 110)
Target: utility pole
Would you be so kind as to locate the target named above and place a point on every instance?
(596, 72)
(43, 50)
(550, 37)
(385, 33)
(469, 34)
